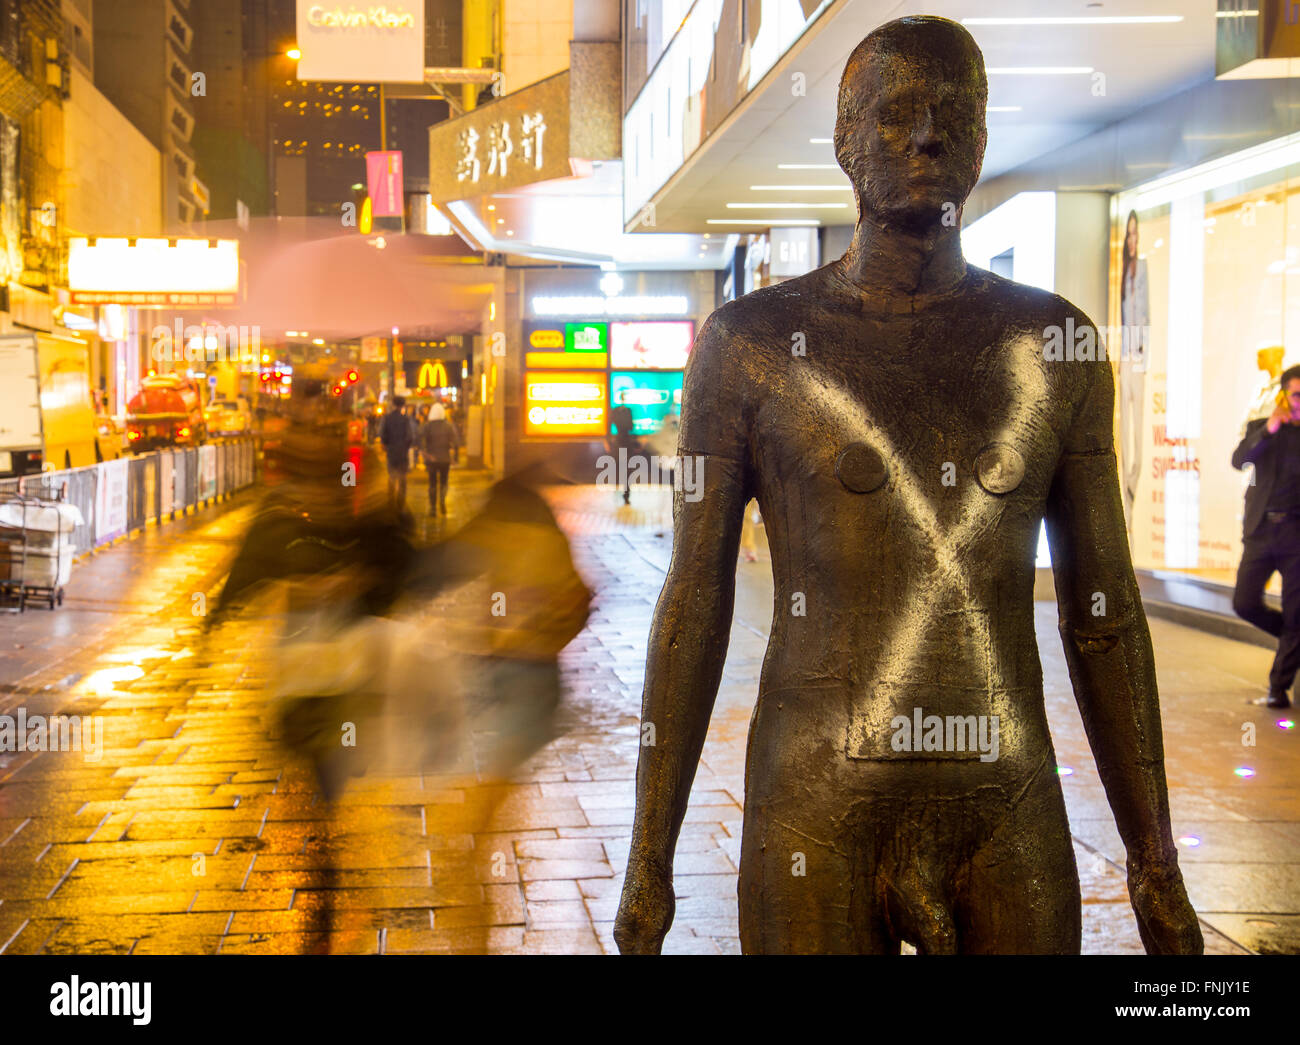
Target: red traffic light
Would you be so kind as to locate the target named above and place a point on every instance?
(352, 376)
(338, 390)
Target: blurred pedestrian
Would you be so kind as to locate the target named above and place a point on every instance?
(397, 435)
(413, 419)
(534, 604)
(440, 444)
(749, 532)
(622, 445)
(1271, 533)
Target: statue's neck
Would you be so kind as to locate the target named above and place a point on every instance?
(892, 262)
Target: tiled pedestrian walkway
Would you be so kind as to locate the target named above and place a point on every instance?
(197, 832)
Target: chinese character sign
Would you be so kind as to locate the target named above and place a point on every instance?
(467, 166)
(499, 148)
(534, 126)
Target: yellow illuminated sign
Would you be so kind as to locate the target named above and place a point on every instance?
(433, 375)
(565, 404)
(547, 339)
(594, 360)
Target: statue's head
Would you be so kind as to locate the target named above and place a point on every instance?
(910, 128)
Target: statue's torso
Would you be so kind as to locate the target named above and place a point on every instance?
(903, 465)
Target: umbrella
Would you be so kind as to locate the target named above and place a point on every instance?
(353, 285)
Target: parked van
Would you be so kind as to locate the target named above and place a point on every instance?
(47, 413)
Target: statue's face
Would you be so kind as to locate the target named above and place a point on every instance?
(911, 130)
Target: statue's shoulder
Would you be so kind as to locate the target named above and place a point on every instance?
(1032, 306)
(772, 311)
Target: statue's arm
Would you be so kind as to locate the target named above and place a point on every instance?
(1112, 665)
(688, 637)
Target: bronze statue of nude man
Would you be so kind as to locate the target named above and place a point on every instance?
(904, 432)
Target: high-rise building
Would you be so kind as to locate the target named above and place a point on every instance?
(143, 63)
(78, 35)
(240, 50)
(277, 144)
(33, 84)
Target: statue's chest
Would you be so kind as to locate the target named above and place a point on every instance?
(912, 408)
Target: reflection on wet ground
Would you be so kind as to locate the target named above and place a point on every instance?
(197, 832)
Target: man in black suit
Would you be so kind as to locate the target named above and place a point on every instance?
(1271, 533)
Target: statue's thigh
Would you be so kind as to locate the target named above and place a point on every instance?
(1021, 892)
(801, 894)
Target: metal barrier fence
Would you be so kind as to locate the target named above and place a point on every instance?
(117, 497)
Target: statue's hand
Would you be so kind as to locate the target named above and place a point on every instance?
(1165, 918)
(646, 909)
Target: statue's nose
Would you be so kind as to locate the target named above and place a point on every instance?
(925, 135)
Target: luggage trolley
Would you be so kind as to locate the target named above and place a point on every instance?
(36, 549)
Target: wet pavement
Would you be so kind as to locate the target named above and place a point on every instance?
(197, 832)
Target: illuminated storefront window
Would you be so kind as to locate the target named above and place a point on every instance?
(1207, 319)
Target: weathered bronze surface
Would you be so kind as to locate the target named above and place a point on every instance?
(903, 461)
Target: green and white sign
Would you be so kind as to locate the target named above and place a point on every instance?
(586, 337)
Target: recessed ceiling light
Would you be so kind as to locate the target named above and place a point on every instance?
(1039, 70)
(821, 141)
(762, 221)
(492, 206)
(1079, 20)
(801, 188)
(807, 166)
(786, 206)
(708, 235)
(510, 232)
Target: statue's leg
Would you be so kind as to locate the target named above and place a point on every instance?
(1021, 889)
(801, 892)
